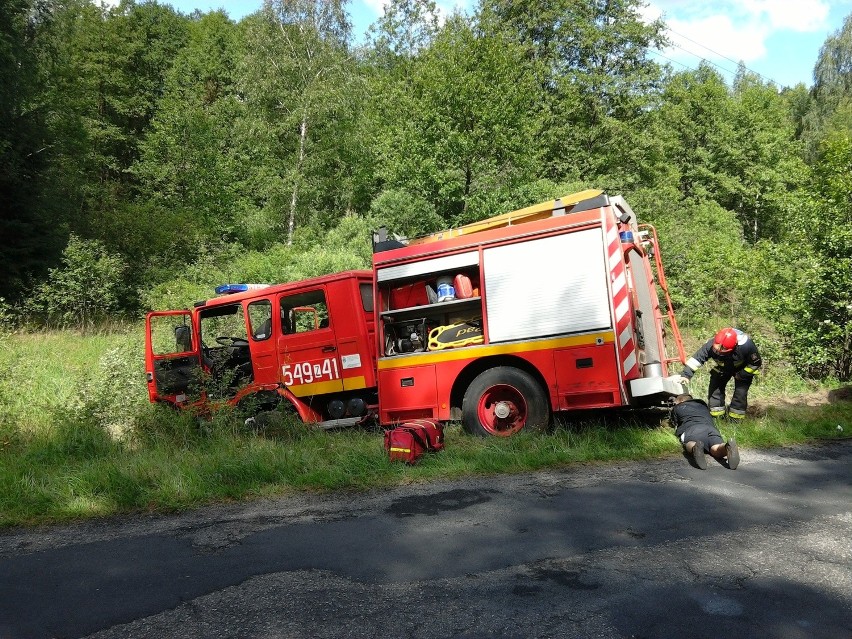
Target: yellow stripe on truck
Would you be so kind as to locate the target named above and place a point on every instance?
(317, 388)
(354, 383)
(323, 388)
(471, 352)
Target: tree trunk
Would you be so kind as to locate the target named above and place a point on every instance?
(303, 135)
(468, 179)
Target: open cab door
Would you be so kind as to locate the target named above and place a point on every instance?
(172, 358)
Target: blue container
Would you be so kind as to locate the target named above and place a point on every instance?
(446, 292)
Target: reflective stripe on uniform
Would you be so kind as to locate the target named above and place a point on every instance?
(753, 371)
(693, 363)
(736, 413)
(718, 411)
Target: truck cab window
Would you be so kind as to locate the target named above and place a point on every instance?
(169, 337)
(183, 338)
(367, 297)
(304, 312)
(260, 320)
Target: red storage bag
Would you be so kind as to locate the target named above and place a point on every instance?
(409, 441)
(408, 296)
(431, 431)
(404, 444)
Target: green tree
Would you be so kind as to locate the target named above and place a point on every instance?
(405, 214)
(825, 341)
(764, 166)
(405, 29)
(298, 75)
(695, 123)
(706, 265)
(735, 146)
(107, 71)
(832, 89)
(196, 161)
(459, 121)
(598, 84)
(31, 235)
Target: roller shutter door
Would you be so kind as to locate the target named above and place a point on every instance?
(552, 286)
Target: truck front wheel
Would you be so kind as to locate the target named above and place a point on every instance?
(503, 400)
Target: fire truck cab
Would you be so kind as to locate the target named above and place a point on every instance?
(503, 322)
(308, 343)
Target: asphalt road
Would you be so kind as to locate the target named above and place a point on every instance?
(650, 550)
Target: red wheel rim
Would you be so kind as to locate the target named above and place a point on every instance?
(502, 410)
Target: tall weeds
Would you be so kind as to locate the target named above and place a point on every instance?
(78, 438)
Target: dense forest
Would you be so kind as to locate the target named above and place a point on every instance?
(146, 155)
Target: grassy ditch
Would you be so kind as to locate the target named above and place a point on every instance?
(78, 439)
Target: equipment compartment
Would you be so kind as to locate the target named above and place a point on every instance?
(408, 336)
(415, 321)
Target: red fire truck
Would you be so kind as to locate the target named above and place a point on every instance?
(498, 324)
(310, 343)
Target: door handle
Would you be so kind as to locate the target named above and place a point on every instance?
(329, 349)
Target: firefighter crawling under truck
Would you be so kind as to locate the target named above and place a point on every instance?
(499, 324)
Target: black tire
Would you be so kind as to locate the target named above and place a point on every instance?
(499, 390)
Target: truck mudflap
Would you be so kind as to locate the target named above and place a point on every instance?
(658, 385)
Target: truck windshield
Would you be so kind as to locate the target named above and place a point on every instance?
(223, 322)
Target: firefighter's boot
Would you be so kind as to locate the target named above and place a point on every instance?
(732, 452)
(719, 414)
(736, 414)
(695, 450)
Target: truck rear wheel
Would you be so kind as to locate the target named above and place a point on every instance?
(503, 400)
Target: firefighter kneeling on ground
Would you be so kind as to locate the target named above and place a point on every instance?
(734, 355)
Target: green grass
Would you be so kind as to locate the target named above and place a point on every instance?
(40, 373)
(79, 439)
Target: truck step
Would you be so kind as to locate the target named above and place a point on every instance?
(338, 423)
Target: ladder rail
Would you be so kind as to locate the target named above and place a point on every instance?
(669, 315)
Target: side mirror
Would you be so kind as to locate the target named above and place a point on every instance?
(183, 338)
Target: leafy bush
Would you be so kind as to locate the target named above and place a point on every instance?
(8, 318)
(704, 254)
(112, 394)
(86, 289)
(804, 285)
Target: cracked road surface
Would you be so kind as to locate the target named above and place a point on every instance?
(641, 549)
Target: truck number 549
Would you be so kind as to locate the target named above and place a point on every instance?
(309, 372)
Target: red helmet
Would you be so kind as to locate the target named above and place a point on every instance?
(725, 340)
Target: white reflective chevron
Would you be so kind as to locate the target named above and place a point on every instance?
(619, 283)
(629, 362)
(611, 236)
(622, 309)
(614, 260)
(625, 336)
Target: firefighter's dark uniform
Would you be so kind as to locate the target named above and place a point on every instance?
(693, 423)
(742, 363)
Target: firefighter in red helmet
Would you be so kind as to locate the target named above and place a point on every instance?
(735, 355)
